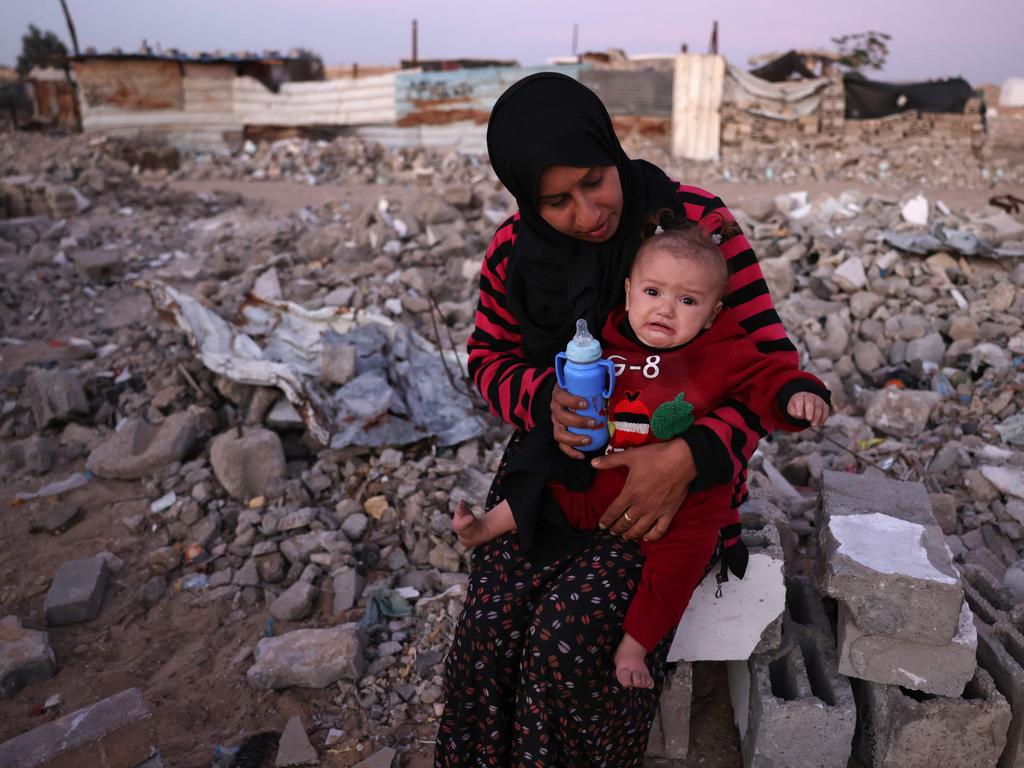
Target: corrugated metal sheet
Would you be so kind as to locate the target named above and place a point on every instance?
(696, 106)
(362, 101)
(466, 137)
(439, 98)
(646, 93)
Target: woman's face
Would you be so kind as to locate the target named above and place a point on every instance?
(584, 203)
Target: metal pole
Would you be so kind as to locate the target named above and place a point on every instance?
(713, 48)
(415, 42)
(71, 26)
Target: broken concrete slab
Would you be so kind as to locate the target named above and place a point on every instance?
(308, 658)
(383, 758)
(246, 464)
(98, 266)
(116, 732)
(670, 733)
(733, 626)
(1009, 480)
(942, 670)
(901, 412)
(792, 707)
(894, 575)
(25, 656)
(348, 588)
(904, 730)
(294, 747)
(139, 448)
(843, 493)
(47, 517)
(77, 591)
(55, 397)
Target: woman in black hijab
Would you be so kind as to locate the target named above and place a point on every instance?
(530, 676)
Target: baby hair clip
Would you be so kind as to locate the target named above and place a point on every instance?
(716, 239)
(658, 230)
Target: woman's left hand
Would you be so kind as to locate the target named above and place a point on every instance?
(659, 476)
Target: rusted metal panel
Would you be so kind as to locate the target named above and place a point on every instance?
(697, 105)
(130, 85)
(640, 92)
(466, 95)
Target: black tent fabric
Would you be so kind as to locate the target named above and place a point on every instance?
(870, 98)
(782, 68)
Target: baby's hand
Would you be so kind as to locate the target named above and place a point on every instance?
(804, 405)
(470, 530)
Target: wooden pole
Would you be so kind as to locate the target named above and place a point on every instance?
(415, 42)
(71, 27)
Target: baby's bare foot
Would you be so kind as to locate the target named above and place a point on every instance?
(630, 668)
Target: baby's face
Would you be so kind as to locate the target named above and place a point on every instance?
(670, 300)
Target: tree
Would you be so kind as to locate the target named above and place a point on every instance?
(863, 49)
(39, 48)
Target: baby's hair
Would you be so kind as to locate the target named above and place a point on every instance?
(685, 239)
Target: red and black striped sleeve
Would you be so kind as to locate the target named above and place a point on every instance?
(723, 441)
(507, 382)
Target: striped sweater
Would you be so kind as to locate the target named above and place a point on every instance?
(520, 393)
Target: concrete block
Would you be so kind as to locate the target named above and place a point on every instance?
(1000, 651)
(891, 569)
(308, 658)
(55, 397)
(905, 729)
(792, 707)
(294, 747)
(25, 656)
(747, 617)
(117, 732)
(76, 593)
(670, 733)
(943, 670)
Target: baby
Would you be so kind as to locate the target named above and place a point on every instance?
(677, 357)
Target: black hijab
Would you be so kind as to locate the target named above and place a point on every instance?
(554, 279)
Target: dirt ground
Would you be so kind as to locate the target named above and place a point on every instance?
(190, 657)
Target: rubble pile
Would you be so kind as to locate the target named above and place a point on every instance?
(912, 313)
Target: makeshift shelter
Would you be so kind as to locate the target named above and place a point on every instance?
(871, 98)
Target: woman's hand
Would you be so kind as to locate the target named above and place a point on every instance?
(563, 415)
(659, 476)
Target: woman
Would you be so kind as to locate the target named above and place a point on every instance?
(530, 676)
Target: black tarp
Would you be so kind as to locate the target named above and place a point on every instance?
(870, 98)
(783, 68)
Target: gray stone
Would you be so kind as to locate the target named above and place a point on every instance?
(139, 448)
(348, 588)
(247, 575)
(76, 593)
(25, 656)
(294, 747)
(33, 454)
(670, 733)
(295, 602)
(792, 707)
(309, 658)
(206, 530)
(99, 266)
(354, 526)
(55, 397)
(246, 466)
(383, 758)
(339, 361)
(942, 670)
(116, 732)
(930, 348)
(904, 731)
(152, 591)
(892, 571)
(1013, 579)
(866, 357)
(779, 275)
(901, 412)
(49, 517)
(944, 510)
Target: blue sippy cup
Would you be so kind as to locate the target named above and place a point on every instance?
(581, 371)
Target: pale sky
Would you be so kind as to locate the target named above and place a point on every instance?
(981, 40)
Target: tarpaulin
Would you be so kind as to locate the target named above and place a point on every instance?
(402, 391)
(871, 98)
(779, 101)
(783, 68)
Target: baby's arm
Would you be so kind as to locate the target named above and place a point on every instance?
(808, 407)
(473, 531)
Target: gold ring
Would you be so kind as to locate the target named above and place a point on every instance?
(628, 518)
